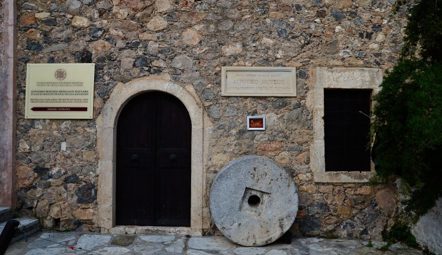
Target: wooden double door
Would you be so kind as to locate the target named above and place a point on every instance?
(153, 162)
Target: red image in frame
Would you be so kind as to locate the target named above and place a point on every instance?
(256, 123)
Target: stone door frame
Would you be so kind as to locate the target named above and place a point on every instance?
(8, 104)
(106, 144)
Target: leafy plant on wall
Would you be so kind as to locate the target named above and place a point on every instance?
(408, 123)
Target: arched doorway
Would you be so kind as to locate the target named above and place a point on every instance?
(107, 123)
(153, 162)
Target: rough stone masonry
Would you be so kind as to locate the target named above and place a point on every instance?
(189, 41)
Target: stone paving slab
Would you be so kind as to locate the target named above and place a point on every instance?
(73, 243)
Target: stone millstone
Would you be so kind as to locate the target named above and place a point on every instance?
(253, 202)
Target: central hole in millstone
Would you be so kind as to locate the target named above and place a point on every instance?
(254, 200)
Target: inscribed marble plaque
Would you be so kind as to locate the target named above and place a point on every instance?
(59, 91)
(258, 81)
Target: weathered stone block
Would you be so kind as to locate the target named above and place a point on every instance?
(191, 37)
(428, 230)
(157, 23)
(86, 193)
(253, 202)
(80, 22)
(83, 214)
(387, 200)
(25, 176)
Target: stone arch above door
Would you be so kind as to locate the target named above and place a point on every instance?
(106, 141)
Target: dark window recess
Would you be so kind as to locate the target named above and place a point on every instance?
(347, 127)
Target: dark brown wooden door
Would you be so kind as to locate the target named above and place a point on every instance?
(153, 162)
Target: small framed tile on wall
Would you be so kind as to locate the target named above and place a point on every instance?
(256, 122)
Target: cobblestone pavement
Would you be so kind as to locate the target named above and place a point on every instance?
(54, 243)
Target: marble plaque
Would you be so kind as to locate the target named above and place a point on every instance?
(59, 91)
(258, 81)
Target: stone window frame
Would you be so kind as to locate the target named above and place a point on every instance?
(106, 147)
(340, 78)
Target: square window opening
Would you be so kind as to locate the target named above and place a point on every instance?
(347, 129)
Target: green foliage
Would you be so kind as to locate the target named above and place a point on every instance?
(424, 33)
(408, 130)
(408, 124)
(399, 233)
(377, 180)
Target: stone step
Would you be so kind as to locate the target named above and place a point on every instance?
(5, 214)
(27, 227)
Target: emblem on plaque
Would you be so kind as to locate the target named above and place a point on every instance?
(60, 74)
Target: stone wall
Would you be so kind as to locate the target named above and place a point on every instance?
(189, 41)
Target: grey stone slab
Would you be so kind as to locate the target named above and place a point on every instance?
(305, 241)
(249, 251)
(60, 236)
(214, 245)
(299, 251)
(253, 202)
(370, 251)
(210, 243)
(316, 249)
(176, 247)
(156, 238)
(52, 239)
(276, 252)
(20, 247)
(40, 243)
(336, 246)
(428, 229)
(374, 244)
(166, 253)
(198, 252)
(340, 244)
(90, 242)
(24, 221)
(147, 248)
(52, 251)
(400, 248)
(112, 251)
(123, 240)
